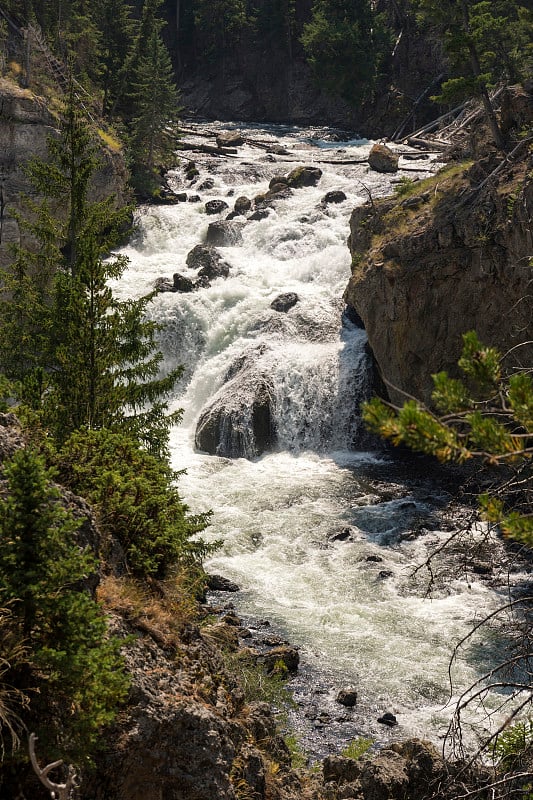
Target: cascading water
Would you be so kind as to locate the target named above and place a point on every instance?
(322, 539)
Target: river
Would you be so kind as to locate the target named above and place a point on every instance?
(322, 534)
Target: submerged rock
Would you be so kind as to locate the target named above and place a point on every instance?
(336, 196)
(215, 206)
(208, 261)
(182, 283)
(388, 719)
(284, 302)
(303, 176)
(224, 233)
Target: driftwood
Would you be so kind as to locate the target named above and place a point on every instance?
(400, 129)
(508, 158)
(211, 150)
(442, 129)
(58, 791)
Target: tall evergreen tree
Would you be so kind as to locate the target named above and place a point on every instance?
(486, 42)
(155, 112)
(42, 568)
(118, 30)
(98, 358)
(340, 46)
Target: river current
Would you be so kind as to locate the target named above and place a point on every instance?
(322, 534)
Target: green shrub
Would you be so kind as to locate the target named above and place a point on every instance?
(136, 500)
(75, 678)
(514, 743)
(357, 747)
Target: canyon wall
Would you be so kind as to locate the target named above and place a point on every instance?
(452, 254)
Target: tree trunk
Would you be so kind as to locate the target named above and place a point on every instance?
(476, 71)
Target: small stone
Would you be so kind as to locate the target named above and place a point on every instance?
(388, 719)
(335, 196)
(382, 159)
(242, 205)
(164, 285)
(347, 697)
(218, 583)
(215, 206)
(182, 283)
(258, 215)
(206, 184)
(284, 302)
(224, 234)
(229, 139)
(304, 176)
(342, 536)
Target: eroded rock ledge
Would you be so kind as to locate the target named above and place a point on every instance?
(26, 122)
(451, 255)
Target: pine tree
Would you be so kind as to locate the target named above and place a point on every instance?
(92, 358)
(486, 416)
(118, 31)
(486, 42)
(155, 112)
(42, 567)
(136, 500)
(340, 46)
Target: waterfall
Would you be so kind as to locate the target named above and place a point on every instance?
(322, 536)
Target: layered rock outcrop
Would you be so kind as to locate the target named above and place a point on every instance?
(452, 256)
(26, 122)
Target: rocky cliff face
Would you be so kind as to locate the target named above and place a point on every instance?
(452, 256)
(26, 122)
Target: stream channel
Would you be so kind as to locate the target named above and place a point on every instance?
(321, 533)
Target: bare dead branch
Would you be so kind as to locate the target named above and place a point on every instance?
(58, 791)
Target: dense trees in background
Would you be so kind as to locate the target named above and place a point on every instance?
(119, 47)
(487, 41)
(342, 44)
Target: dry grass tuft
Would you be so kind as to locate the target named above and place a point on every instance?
(161, 610)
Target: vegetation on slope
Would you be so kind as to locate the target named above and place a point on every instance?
(81, 369)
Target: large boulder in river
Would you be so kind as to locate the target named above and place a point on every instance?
(284, 302)
(382, 159)
(242, 205)
(229, 139)
(215, 206)
(238, 422)
(303, 176)
(208, 261)
(224, 233)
